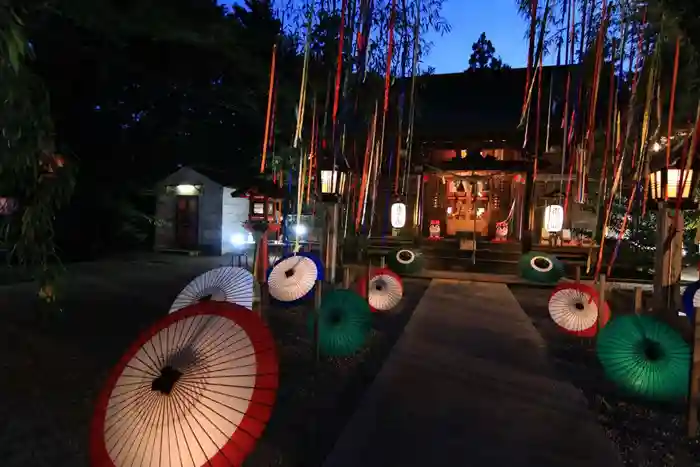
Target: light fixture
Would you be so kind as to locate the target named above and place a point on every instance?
(656, 147)
(667, 185)
(553, 218)
(300, 230)
(398, 214)
(187, 190)
(332, 182)
(237, 239)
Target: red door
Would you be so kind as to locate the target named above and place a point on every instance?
(187, 222)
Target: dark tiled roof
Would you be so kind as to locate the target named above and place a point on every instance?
(487, 103)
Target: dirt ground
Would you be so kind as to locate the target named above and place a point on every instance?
(55, 362)
(646, 434)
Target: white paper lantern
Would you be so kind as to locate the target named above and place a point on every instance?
(553, 218)
(398, 215)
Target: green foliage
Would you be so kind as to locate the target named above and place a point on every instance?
(30, 173)
(484, 55)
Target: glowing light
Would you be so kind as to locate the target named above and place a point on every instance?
(656, 147)
(300, 230)
(553, 218)
(186, 190)
(238, 239)
(398, 215)
(673, 184)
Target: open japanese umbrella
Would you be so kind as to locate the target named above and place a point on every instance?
(293, 277)
(405, 261)
(224, 284)
(196, 389)
(385, 289)
(345, 321)
(540, 267)
(645, 357)
(576, 308)
(691, 300)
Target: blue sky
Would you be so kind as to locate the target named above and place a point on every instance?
(500, 21)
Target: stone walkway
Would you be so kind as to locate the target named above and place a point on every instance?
(469, 384)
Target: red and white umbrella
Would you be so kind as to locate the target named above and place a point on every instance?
(196, 389)
(575, 309)
(224, 284)
(385, 289)
(293, 278)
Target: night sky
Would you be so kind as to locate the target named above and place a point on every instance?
(500, 21)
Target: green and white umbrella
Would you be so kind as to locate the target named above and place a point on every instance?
(645, 357)
(540, 267)
(405, 261)
(345, 321)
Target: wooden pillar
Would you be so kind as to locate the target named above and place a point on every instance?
(527, 211)
(667, 262)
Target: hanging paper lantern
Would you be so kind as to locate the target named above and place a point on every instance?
(645, 357)
(385, 289)
(576, 309)
(177, 397)
(398, 215)
(691, 300)
(553, 218)
(405, 261)
(224, 284)
(345, 321)
(293, 278)
(540, 267)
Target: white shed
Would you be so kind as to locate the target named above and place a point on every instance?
(195, 212)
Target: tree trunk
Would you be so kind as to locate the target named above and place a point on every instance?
(668, 264)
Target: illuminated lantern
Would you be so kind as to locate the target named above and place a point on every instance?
(553, 218)
(398, 214)
(434, 230)
(667, 185)
(332, 182)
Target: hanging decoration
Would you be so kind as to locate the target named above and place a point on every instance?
(177, 398)
(540, 267)
(645, 357)
(576, 308)
(385, 289)
(344, 323)
(224, 284)
(270, 94)
(405, 261)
